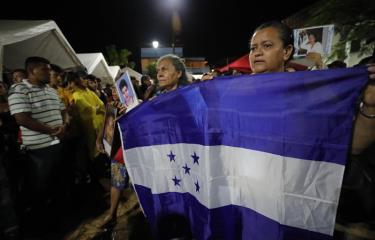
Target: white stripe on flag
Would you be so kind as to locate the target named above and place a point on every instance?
(294, 192)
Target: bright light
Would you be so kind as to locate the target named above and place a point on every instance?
(173, 3)
(155, 44)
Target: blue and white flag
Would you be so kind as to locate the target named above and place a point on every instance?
(247, 157)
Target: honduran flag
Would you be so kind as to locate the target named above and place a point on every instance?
(248, 157)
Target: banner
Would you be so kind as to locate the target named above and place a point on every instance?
(248, 157)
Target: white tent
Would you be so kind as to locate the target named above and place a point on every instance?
(115, 71)
(20, 39)
(96, 64)
(132, 73)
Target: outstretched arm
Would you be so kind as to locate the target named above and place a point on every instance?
(364, 127)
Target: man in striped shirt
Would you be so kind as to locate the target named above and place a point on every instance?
(39, 111)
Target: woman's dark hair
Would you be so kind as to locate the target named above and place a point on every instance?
(285, 32)
(179, 64)
(312, 33)
(316, 33)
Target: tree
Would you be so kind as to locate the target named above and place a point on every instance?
(118, 57)
(151, 69)
(354, 20)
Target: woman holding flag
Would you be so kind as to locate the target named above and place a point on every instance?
(271, 47)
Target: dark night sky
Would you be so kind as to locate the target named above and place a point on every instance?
(212, 29)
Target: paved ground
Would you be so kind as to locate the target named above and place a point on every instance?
(356, 231)
(131, 223)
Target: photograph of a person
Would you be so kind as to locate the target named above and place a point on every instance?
(109, 128)
(310, 41)
(126, 91)
(313, 40)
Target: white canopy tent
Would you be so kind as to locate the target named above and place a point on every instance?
(115, 71)
(96, 64)
(132, 73)
(20, 39)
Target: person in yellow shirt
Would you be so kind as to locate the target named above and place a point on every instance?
(90, 111)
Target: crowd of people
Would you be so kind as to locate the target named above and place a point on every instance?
(51, 124)
(51, 121)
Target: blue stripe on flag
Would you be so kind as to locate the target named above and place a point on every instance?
(229, 222)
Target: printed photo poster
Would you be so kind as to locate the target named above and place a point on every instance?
(109, 128)
(313, 40)
(126, 92)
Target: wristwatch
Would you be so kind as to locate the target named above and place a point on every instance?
(361, 111)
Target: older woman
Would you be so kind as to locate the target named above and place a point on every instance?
(171, 73)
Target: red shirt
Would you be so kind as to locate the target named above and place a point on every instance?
(119, 156)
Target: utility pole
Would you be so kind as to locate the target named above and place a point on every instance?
(176, 28)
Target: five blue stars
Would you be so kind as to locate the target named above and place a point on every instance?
(177, 181)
